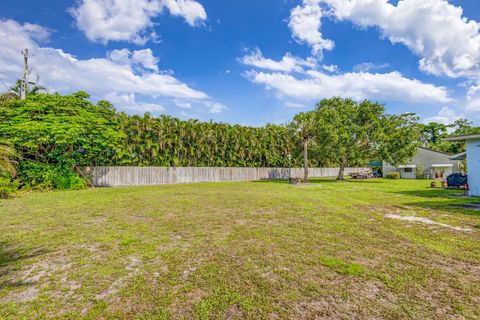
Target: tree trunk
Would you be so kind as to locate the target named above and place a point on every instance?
(305, 159)
(341, 175)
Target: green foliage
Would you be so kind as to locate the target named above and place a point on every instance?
(7, 164)
(420, 171)
(61, 130)
(351, 133)
(167, 141)
(304, 123)
(433, 135)
(7, 187)
(393, 175)
(42, 176)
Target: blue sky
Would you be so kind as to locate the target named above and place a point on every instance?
(251, 62)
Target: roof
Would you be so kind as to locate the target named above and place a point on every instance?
(375, 164)
(465, 137)
(433, 150)
(442, 165)
(460, 156)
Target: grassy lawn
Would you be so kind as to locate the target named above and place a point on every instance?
(256, 250)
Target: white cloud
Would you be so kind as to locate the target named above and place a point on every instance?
(192, 11)
(288, 63)
(130, 20)
(129, 102)
(143, 58)
(183, 104)
(444, 116)
(124, 75)
(369, 66)
(446, 42)
(330, 68)
(315, 85)
(214, 107)
(305, 23)
(472, 100)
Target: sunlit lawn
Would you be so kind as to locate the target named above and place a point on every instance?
(256, 250)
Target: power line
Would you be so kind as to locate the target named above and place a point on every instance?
(5, 85)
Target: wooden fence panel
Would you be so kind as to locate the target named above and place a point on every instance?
(141, 176)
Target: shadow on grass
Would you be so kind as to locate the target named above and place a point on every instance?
(451, 200)
(9, 257)
(433, 193)
(321, 180)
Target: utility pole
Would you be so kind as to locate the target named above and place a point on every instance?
(24, 84)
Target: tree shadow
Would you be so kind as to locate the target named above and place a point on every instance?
(10, 256)
(452, 201)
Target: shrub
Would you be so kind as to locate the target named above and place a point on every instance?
(7, 188)
(393, 175)
(41, 176)
(420, 172)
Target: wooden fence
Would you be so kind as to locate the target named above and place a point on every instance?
(142, 176)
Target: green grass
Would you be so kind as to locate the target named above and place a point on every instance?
(255, 250)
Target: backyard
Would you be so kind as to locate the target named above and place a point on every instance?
(380, 249)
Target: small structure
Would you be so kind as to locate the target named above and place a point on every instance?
(428, 163)
(473, 161)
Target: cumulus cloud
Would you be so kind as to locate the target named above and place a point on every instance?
(128, 101)
(315, 85)
(214, 107)
(192, 11)
(288, 63)
(369, 66)
(473, 99)
(305, 24)
(130, 20)
(123, 76)
(446, 42)
(444, 116)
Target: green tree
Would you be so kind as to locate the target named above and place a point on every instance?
(33, 89)
(7, 153)
(433, 133)
(62, 130)
(352, 133)
(304, 123)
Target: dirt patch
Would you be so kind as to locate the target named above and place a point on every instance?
(34, 278)
(117, 285)
(425, 221)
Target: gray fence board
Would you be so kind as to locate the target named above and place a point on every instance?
(141, 176)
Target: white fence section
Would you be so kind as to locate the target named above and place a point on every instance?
(142, 176)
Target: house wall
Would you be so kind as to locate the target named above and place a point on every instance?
(473, 166)
(407, 175)
(426, 158)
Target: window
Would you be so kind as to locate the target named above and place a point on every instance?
(408, 169)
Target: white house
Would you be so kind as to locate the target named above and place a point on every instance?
(434, 164)
(473, 161)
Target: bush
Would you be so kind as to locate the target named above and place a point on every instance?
(41, 176)
(393, 175)
(420, 172)
(7, 188)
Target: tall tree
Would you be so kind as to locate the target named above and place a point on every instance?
(304, 123)
(352, 133)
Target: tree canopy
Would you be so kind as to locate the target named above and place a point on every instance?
(64, 130)
(351, 133)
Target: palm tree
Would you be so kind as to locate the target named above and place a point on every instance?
(304, 123)
(17, 88)
(7, 165)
